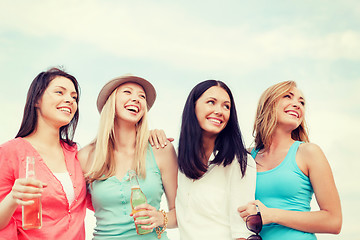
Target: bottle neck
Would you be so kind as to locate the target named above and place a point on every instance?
(30, 167)
(134, 182)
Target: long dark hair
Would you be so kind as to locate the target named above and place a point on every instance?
(35, 92)
(228, 144)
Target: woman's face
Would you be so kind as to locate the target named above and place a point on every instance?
(212, 110)
(290, 109)
(57, 105)
(130, 102)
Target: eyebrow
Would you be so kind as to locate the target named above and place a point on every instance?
(217, 99)
(292, 94)
(141, 91)
(65, 89)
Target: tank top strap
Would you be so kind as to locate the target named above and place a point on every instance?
(254, 152)
(150, 160)
(290, 157)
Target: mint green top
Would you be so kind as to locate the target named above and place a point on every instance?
(111, 201)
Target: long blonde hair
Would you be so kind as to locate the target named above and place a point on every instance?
(104, 164)
(266, 117)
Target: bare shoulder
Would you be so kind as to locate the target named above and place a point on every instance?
(167, 150)
(165, 157)
(309, 149)
(85, 156)
(311, 153)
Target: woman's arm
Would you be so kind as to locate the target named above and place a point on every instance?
(329, 218)
(167, 162)
(326, 220)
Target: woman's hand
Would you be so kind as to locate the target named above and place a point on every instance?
(25, 189)
(250, 209)
(156, 218)
(158, 138)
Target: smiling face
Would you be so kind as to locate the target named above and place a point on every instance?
(212, 111)
(130, 102)
(57, 105)
(290, 109)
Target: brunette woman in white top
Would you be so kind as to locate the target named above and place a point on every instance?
(215, 174)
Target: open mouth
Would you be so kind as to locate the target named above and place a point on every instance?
(66, 110)
(132, 108)
(215, 121)
(293, 113)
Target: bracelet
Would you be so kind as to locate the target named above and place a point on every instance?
(157, 229)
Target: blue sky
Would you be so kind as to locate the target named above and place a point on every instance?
(249, 45)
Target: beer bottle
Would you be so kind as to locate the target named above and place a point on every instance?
(31, 214)
(137, 198)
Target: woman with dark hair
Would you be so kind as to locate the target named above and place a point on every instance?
(215, 176)
(290, 170)
(46, 134)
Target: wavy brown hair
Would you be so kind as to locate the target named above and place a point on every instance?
(266, 117)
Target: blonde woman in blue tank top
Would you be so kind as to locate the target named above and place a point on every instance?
(290, 170)
(122, 145)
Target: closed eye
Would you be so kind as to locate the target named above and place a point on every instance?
(287, 96)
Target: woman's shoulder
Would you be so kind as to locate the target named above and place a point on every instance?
(12, 142)
(165, 156)
(309, 148)
(168, 149)
(85, 156)
(14, 145)
(311, 154)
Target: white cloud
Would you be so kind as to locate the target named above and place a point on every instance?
(166, 33)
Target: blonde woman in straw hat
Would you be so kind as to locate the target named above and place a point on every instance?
(122, 145)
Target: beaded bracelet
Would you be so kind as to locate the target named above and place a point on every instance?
(157, 229)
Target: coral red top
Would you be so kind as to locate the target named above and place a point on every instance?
(60, 221)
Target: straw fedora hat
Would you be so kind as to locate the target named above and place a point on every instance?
(110, 86)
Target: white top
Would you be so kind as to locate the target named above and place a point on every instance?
(207, 208)
(68, 187)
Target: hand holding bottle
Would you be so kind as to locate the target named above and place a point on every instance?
(154, 218)
(25, 189)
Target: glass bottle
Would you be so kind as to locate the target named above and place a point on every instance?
(31, 214)
(137, 198)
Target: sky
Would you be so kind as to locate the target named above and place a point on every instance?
(250, 45)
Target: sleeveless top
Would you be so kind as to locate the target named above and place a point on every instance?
(111, 201)
(284, 187)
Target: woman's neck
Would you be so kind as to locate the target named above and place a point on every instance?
(208, 146)
(280, 140)
(125, 136)
(44, 135)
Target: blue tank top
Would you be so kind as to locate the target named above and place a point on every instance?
(285, 187)
(111, 201)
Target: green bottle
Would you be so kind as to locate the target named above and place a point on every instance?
(137, 198)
